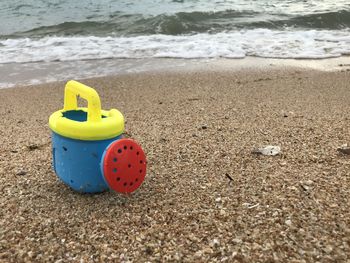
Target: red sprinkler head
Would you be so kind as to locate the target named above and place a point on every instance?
(124, 166)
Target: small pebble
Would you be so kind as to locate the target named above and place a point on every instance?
(288, 222)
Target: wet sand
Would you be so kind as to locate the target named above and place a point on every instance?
(206, 197)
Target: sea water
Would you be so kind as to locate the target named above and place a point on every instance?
(43, 33)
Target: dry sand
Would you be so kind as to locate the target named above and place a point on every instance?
(206, 197)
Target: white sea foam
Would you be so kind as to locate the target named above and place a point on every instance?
(235, 44)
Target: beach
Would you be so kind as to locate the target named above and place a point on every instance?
(206, 197)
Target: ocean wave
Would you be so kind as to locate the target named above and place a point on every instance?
(120, 24)
(234, 44)
(328, 20)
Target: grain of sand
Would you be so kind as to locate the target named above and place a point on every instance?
(206, 197)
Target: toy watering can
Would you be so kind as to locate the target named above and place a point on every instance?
(89, 151)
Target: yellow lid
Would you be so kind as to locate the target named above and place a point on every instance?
(89, 123)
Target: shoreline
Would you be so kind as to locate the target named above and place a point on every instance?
(27, 74)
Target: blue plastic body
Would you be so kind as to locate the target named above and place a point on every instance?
(77, 163)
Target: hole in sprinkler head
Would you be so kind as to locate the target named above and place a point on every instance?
(141, 162)
(125, 147)
(64, 148)
(118, 179)
(115, 159)
(72, 182)
(131, 148)
(131, 183)
(114, 170)
(137, 153)
(119, 150)
(136, 179)
(129, 165)
(140, 171)
(125, 184)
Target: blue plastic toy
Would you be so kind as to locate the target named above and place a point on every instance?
(89, 151)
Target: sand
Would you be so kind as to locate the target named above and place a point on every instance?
(206, 197)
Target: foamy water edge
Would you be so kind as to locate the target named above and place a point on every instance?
(312, 44)
(24, 74)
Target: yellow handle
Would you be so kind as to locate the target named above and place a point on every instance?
(72, 90)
